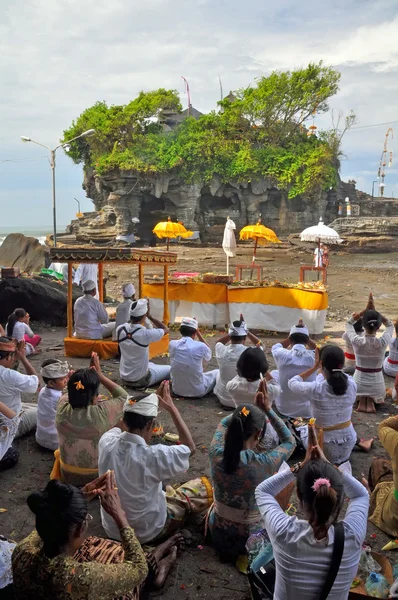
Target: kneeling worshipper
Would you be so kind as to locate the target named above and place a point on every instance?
(58, 561)
(349, 364)
(18, 328)
(227, 355)
(9, 422)
(383, 481)
(238, 465)
(87, 272)
(91, 317)
(293, 356)
(187, 356)
(140, 469)
(390, 364)
(82, 418)
(369, 356)
(134, 339)
(123, 309)
(332, 397)
(13, 384)
(55, 374)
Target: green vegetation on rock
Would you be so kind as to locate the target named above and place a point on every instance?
(260, 133)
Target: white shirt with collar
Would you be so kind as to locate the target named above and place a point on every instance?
(140, 470)
(122, 315)
(13, 384)
(186, 363)
(46, 432)
(289, 364)
(89, 315)
(134, 354)
(227, 356)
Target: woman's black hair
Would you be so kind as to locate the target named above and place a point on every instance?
(59, 508)
(238, 338)
(5, 353)
(358, 326)
(135, 421)
(332, 357)
(252, 364)
(83, 387)
(372, 320)
(322, 506)
(187, 331)
(45, 363)
(245, 421)
(19, 313)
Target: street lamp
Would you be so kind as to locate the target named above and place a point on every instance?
(52, 165)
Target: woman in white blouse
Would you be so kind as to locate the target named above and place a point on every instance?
(303, 547)
(390, 364)
(332, 396)
(18, 328)
(9, 422)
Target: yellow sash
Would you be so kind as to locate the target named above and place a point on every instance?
(320, 430)
(56, 472)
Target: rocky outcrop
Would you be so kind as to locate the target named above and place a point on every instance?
(45, 300)
(366, 227)
(24, 252)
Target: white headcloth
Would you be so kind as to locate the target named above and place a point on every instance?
(139, 308)
(189, 322)
(56, 370)
(128, 290)
(147, 407)
(238, 331)
(89, 286)
(303, 330)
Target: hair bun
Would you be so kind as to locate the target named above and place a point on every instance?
(37, 502)
(59, 495)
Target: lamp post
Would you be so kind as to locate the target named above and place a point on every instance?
(52, 165)
(373, 188)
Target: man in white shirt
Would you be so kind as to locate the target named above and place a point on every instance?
(186, 361)
(140, 469)
(318, 254)
(87, 272)
(227, 356)
(91, 318)
(13, 383)
(134, 340)
(123, 309)
(292, 362)
(62, 269)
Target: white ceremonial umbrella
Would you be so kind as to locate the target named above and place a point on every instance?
(320, 233)
(229, 241)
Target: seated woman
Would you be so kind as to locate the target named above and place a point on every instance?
(9, 423)
(237, 467)
(369, 356)
(303, 547)
(82, 418)
(332, 396)
(18, 328)
(57, 562)
(390, 364)
(349, 365)
(383, 480)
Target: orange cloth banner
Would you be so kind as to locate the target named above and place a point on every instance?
(77, 348)
(212, 293)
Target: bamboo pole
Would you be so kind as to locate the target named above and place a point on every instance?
(166, 312)
(101, 281)
(254, 257)
(69, 313)
(140, 279)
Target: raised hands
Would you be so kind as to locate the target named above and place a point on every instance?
(165, 399)
(262, 399)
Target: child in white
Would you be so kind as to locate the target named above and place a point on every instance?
(55, 375)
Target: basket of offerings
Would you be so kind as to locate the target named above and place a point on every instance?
(215, 278)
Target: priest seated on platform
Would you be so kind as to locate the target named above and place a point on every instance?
(91, 318)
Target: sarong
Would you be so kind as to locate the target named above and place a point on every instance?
(383, 508)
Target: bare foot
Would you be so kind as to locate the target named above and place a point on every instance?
(362, 404)
(36, 352)
(365, 483)
(365, 445)
(164, 568)
(370, 406)
(164, 549)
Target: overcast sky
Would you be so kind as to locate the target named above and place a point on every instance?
(58, 58)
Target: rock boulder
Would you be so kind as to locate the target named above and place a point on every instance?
(27, 253)
(45, 300)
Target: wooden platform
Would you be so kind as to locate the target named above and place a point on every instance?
(106, 349)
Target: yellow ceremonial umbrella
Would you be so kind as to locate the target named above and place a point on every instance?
(170, 229)
(260, 234)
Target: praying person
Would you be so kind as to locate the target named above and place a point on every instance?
(9, 423)
(18, 328)
(252, 367)
(331, 396)
(134, 340)
(141, 468)
(87, 272)
(55, 375)
(82, 418)
(187, 356)
(349, 353)
(318, 255)
(238, 464)
(293, 356)
(123, 309)
(227, 355)
(303, 547)
(369, 356)
(91, 317)
(390, 364)
(13, 384)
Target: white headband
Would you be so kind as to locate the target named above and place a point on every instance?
(128, 290)
(55, 370)
(303, 330)
(188, 322)
(238, 331)
(139, 308)
(147, 407)
(89, 286)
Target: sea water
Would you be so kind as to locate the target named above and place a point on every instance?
(39, 233)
